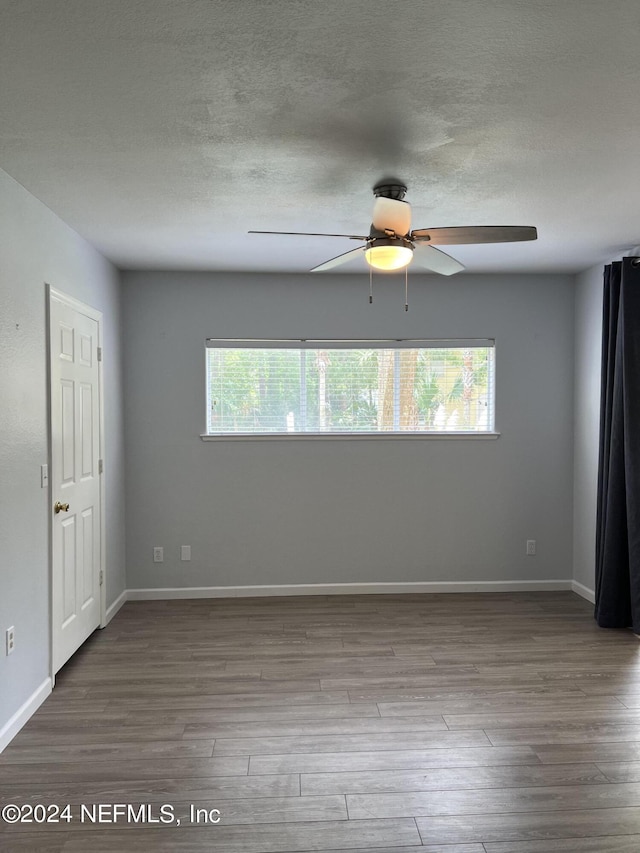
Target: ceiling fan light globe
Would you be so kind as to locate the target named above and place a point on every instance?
(388, 257)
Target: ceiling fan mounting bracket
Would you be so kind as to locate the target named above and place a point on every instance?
(381, 238)
(390, 188)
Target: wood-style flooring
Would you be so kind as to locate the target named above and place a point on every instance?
(502, 723)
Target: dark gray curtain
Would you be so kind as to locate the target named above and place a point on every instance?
(618, 519)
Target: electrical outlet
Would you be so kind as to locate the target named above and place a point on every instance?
(531, 548)
(185, 552)
(158, 554)
(11, 639)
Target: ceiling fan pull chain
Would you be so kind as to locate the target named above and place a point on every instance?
(406, 290)
(370, 285)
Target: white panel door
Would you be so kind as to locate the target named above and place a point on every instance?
(75, 476)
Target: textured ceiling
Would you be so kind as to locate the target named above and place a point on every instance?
(163, 130)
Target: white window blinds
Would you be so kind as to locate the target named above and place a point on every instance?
(266, 387)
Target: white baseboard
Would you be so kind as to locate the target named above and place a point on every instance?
(345, 589)
(168, 593)
(17, 721)
(584, 591)
(117, 604)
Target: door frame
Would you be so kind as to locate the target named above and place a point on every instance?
(94, 314)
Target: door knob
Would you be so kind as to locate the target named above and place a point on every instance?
(58, 507)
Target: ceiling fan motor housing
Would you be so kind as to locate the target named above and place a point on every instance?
(391, 217)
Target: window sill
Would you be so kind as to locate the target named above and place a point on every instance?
(349, 436)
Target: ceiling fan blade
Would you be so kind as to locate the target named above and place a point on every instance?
(308, 234)
(476, 234)
(391, 214)
(435, 260)
(339, 260)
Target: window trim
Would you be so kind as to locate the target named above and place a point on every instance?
(349, 436)
(352, 343)
(348, 343)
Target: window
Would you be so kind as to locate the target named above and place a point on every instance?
(349, 387)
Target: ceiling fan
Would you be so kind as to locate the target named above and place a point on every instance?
(392, 245)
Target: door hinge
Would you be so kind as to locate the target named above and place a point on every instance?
(99, 353)
(100, 466)
(101, 577)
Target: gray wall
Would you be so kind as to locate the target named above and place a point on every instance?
(588, 349)
(37, 247)
(351, 511)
